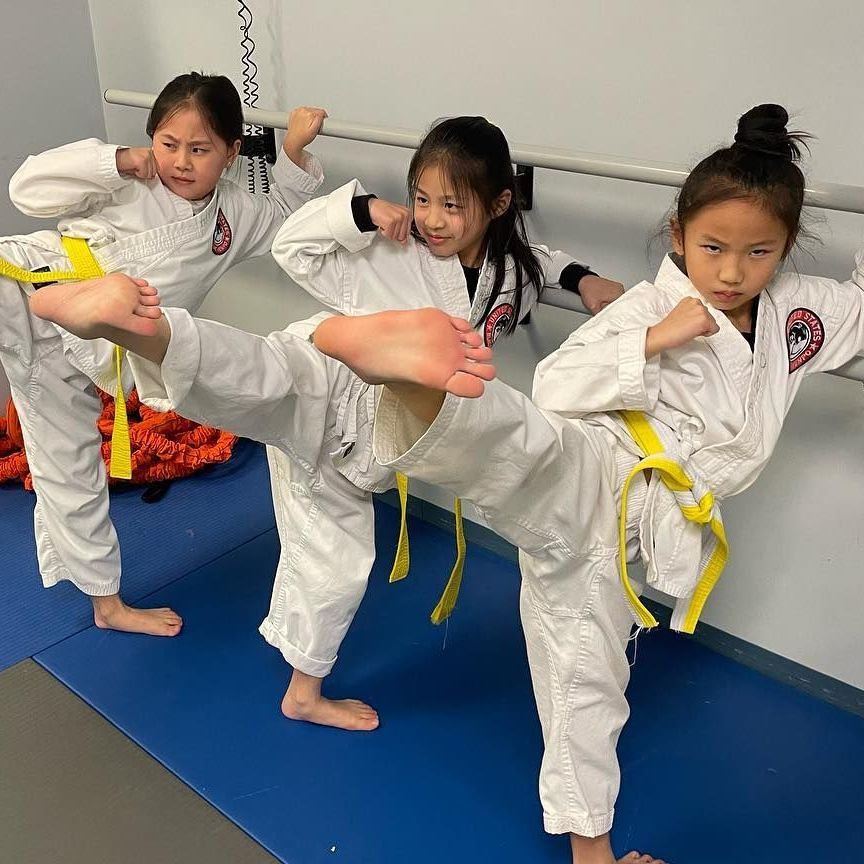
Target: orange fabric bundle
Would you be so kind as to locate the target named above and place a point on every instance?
(13, 462)
(164, 445)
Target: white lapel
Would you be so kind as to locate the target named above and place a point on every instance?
(728, 345)
(445, 277)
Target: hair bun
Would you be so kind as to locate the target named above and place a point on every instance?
(763, 130)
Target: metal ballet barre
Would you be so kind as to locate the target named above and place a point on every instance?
(828, 196)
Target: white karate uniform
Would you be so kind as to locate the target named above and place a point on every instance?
(719, 407)
(320, 455)
(317, 415)
(132, 226)
(316, 593)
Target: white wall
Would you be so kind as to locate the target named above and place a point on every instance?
(44, 103)
(663, 82)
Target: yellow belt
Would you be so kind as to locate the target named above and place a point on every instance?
(85, 266)
(447, 603)
(702, 512)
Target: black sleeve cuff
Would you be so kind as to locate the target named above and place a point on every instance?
(360, 212)
(571, 276)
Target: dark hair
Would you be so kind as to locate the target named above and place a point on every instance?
(761, 165)
(213, 96)
(474, 156)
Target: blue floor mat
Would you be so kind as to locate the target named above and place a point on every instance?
(719, 763)
(200, 518)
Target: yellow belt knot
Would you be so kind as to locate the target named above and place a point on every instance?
(676, 479)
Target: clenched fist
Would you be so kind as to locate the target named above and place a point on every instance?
(304, 124)
(393, 220)
(597, 293)
(136, 162)
(689, 319)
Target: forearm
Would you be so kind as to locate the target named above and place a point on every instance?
(310, 244)
(260, 217)
(295, 153)
(653, 343)
(71, 179)
(609, 374)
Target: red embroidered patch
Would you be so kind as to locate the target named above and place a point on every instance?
(498, 321)
(804, 337)
(221, 235)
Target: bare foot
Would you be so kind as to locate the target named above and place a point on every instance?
(598, 850)
(96, 308)
(421, 346)
(111, 613)
(303, 701)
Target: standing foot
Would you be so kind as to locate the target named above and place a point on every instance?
(303, 701)
(111, 613)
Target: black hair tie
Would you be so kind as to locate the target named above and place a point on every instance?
(764, 151)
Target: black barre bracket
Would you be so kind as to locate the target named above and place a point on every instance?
(259, 144)
(525, 186)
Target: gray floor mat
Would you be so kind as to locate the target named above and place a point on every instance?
(75, 789)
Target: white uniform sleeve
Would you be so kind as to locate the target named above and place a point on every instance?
(292, 185)
(602, 365)
(552, 263)
(262, 215)
(69, 180)
(840, 306)
(273, 389)
(532, 475)
(311, 246)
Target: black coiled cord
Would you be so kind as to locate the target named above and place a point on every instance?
(255, 139)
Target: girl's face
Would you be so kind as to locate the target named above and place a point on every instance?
(731, 251)
(450, 224)
(190, 157)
